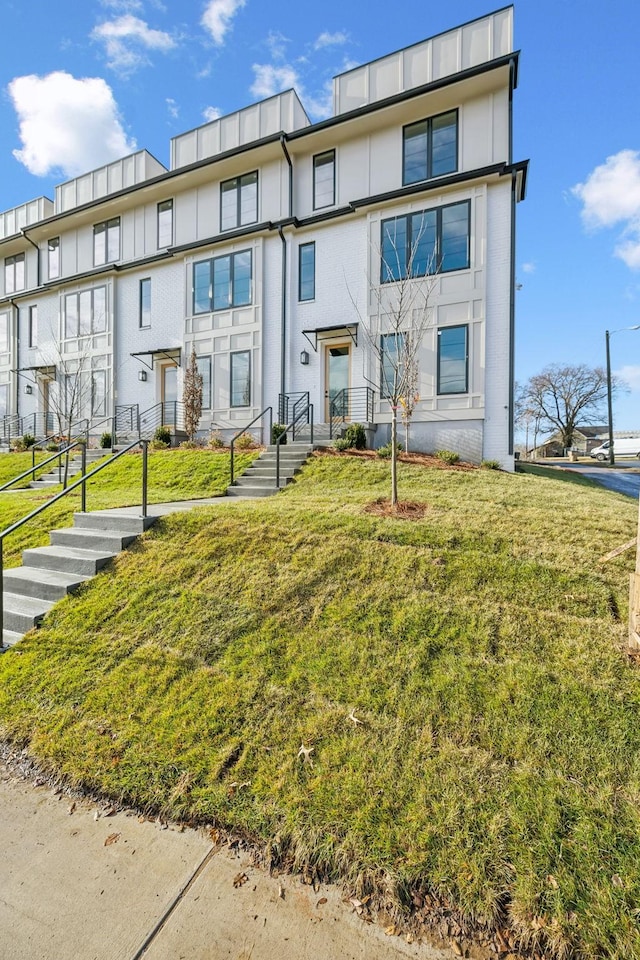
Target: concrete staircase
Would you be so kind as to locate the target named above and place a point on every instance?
(52, 479)
(49, 573)
(259, 480)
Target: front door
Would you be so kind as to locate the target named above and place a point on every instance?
(337, 380)
(169, 393)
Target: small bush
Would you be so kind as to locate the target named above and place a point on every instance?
(245, 442)
(158, 445)
(163, 435)
(356, 436)
(385, 451)
(341, 444)
(490, 465)
(18, 445)
(28, 440)
(53, 447)
(215, 440)
(105, 441)
(189, 445)
(447, 456)
(276, 431)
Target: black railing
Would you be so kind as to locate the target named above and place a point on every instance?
(304, 414)
(81, 482)
(126, 420)
(355, 405)
(266, 410)
(58, 455)
(287, 403)
(169, 413)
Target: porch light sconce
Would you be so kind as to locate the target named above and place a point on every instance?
(28, 388)
(142, 375)
(304, 358)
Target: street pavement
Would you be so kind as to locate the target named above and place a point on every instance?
(79, 881)
(620, 479)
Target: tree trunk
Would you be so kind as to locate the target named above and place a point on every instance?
(394, 456)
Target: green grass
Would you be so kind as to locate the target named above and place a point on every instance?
(498, 760)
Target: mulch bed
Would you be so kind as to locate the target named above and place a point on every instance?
(402, 510)
(419, 459)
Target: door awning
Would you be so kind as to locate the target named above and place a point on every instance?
(166, 353)
(43, 369)
(324, 333)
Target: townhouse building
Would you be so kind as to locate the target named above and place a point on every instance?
(268, 246)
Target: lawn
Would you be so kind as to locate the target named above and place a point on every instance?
(458, 680)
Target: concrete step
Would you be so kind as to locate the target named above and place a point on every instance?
(270, 471)
(9, 637)
(252, 481)
(107, 520)
(67, 559)
(251, 491)
(23, 613)
(38, 582)
(290, 448)
(87, 539)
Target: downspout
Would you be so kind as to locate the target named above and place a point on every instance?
(283, 144)
(512, 279)
(37, 249)
(283, 308)
(16, 339)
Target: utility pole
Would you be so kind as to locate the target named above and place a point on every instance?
(612, 458)
(634, 598)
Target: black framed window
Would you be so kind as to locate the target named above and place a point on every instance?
(222, 282)
(4, 332)
(241, 378)
(106, 241)
(239, 201)
(391, 345)
(33, 325)
(165, 224)
(53, 258)
(307, 271)
(14, 273)
(204, 369)
(144, 316)
(453, 359)
(430, 148)
(426, 242)
(85, 313)
(324, 179)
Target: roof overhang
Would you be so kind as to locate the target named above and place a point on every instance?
(173, 354)
(325, 333)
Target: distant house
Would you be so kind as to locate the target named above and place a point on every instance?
(585, 438)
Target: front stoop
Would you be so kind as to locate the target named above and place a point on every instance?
(53, 477)
(49, 573)
(259, 480)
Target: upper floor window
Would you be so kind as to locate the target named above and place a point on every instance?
(204, 369)
(222, 282)
(4, 332)
(85, 313)
(307, 271)
(144, 318)
(324, 179)
(106, 241)
(453, 359)
(14, 276)
(426, 242)
(33, 325)
(239, 201)
(165, 224)
(391, 347)
(430, 148)
(53, 253)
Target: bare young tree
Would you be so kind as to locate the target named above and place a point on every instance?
(562, 397)
(410, 401)
(192, 396)
(395, 331)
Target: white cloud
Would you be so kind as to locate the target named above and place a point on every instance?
(631, 376)
(127, 6)
(123, 39)
(529, 267)
(67, 124)
(217, 17)
(172, 107)
(270, 80)
(611, 196)
(211, 113)
(277, 44)
(327, 39)
(320, 105)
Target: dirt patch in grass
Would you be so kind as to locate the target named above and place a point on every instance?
(402, 510)
(418, 459)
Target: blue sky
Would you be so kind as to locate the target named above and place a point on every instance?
(129, 74)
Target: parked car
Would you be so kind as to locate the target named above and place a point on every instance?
(622, 447)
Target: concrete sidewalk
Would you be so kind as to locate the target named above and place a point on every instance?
(79, 882)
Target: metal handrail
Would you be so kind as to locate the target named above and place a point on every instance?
(308, 412)
(63, 493)
(244, 429)
(284, 399)
(56, 456)
(343, 403)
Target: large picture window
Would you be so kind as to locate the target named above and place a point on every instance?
(324, 180)
(307, 271)
(391, 345)
(106, 241)
(241, 379)
(85, 313)
(453, 360)
(239, 201)
(426, 242)
(14, 275)
(222, 282)
(430, 148)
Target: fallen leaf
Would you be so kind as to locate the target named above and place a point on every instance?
(305, 753)
(553, 883)
(457, 949)
(72, 808)
(240, 879)
(281, 891)
(112, 838)
(391, 931)
(617, 881)
(354, 719)
(321, 901)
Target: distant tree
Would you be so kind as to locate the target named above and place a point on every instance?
(562, 397)
(192, 396)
